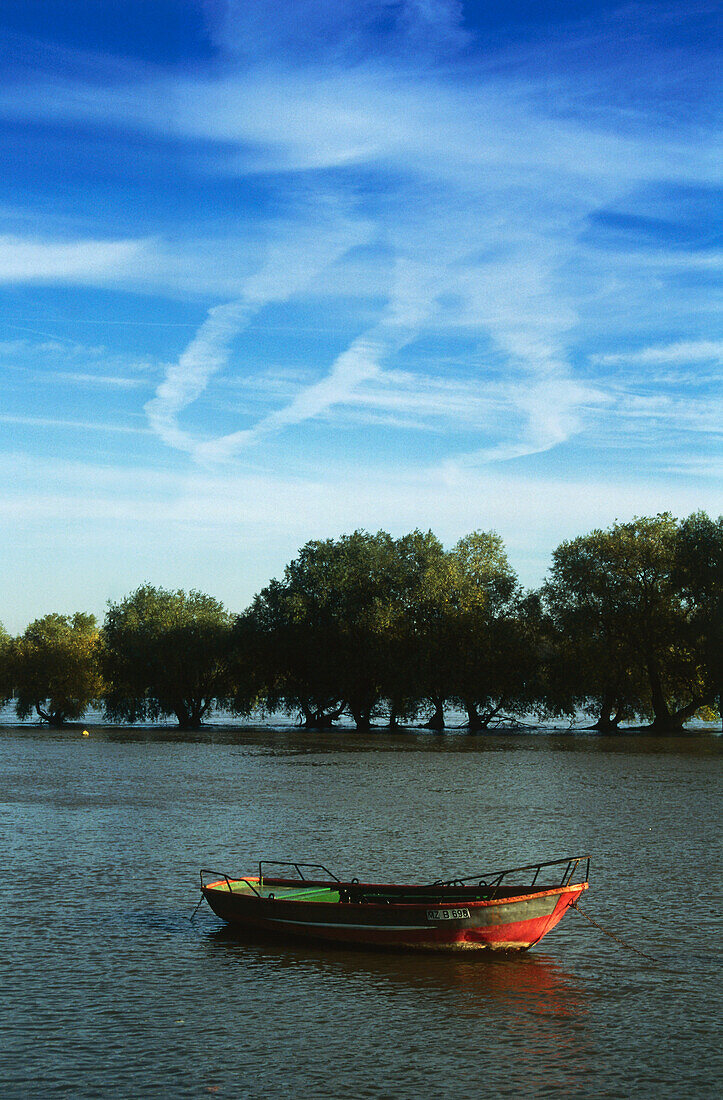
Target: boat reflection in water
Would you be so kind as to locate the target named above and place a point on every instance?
(470, 1002)
(538, 980)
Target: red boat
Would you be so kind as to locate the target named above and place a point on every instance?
(509, 910)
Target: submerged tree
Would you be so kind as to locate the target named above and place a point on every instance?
(625, 626)
(493, 651)
(6, 684)
(292, 657)
(464, 635)
(54, 668)
(166, 653)
(363, 602)
(588, 663)
(412, 680)
(319, 635)
(424, 654)
(698, 575)
(367, 623)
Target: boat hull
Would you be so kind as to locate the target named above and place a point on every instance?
(510, 923)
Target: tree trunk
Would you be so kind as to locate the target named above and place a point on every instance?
(605, 722)
(678, 720)
(54, 718)
(436, 722)
(671, 724)
(189, 715)
(319, 719)
(490, 714)
(362, 717)
(662, 718)
(474, 722)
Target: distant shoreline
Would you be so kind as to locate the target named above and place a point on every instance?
(348, 729)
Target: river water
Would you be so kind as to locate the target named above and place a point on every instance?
(107, 989)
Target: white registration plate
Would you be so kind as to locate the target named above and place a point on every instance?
(447, 914)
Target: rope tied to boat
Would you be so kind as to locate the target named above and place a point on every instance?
(612, 935)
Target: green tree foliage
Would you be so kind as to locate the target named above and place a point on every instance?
(626, 635)
(493, 646)
(6, 686)
(54, 668)
(458, 627)
(362, 586)
(166, 653)
(368, 623)
(411, 680)
(699, 578)
(588, 662)
(320, 635)
(463, 630)
(258, 654)
(423, 654)
(292, 660)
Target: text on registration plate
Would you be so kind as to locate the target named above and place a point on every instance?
(447, 914)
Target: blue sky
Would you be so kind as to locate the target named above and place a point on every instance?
(271, 272)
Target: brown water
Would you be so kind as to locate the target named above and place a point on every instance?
(107, 989)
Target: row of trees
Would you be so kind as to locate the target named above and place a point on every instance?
(627, 626)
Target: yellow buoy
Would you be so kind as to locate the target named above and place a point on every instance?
(85, 733)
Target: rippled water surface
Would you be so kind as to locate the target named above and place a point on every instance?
(107, 989)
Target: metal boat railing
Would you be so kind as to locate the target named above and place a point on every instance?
(494, 879)
(225, 877)
(268, 863)
(228, 881)
(297, 866)
(489, 881)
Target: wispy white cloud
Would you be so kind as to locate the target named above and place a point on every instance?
(340, 496)
(290, 266)
(80, 261)
(55, 362)
(484, 180)
(410, 304)
(358, 363)
(414, 401)
(110, 381)
(12, 349)
(251, 29)
(707, 466)
(428, 401)
(684, 352)
(186, 266)
(74, 425)
(674, 411)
